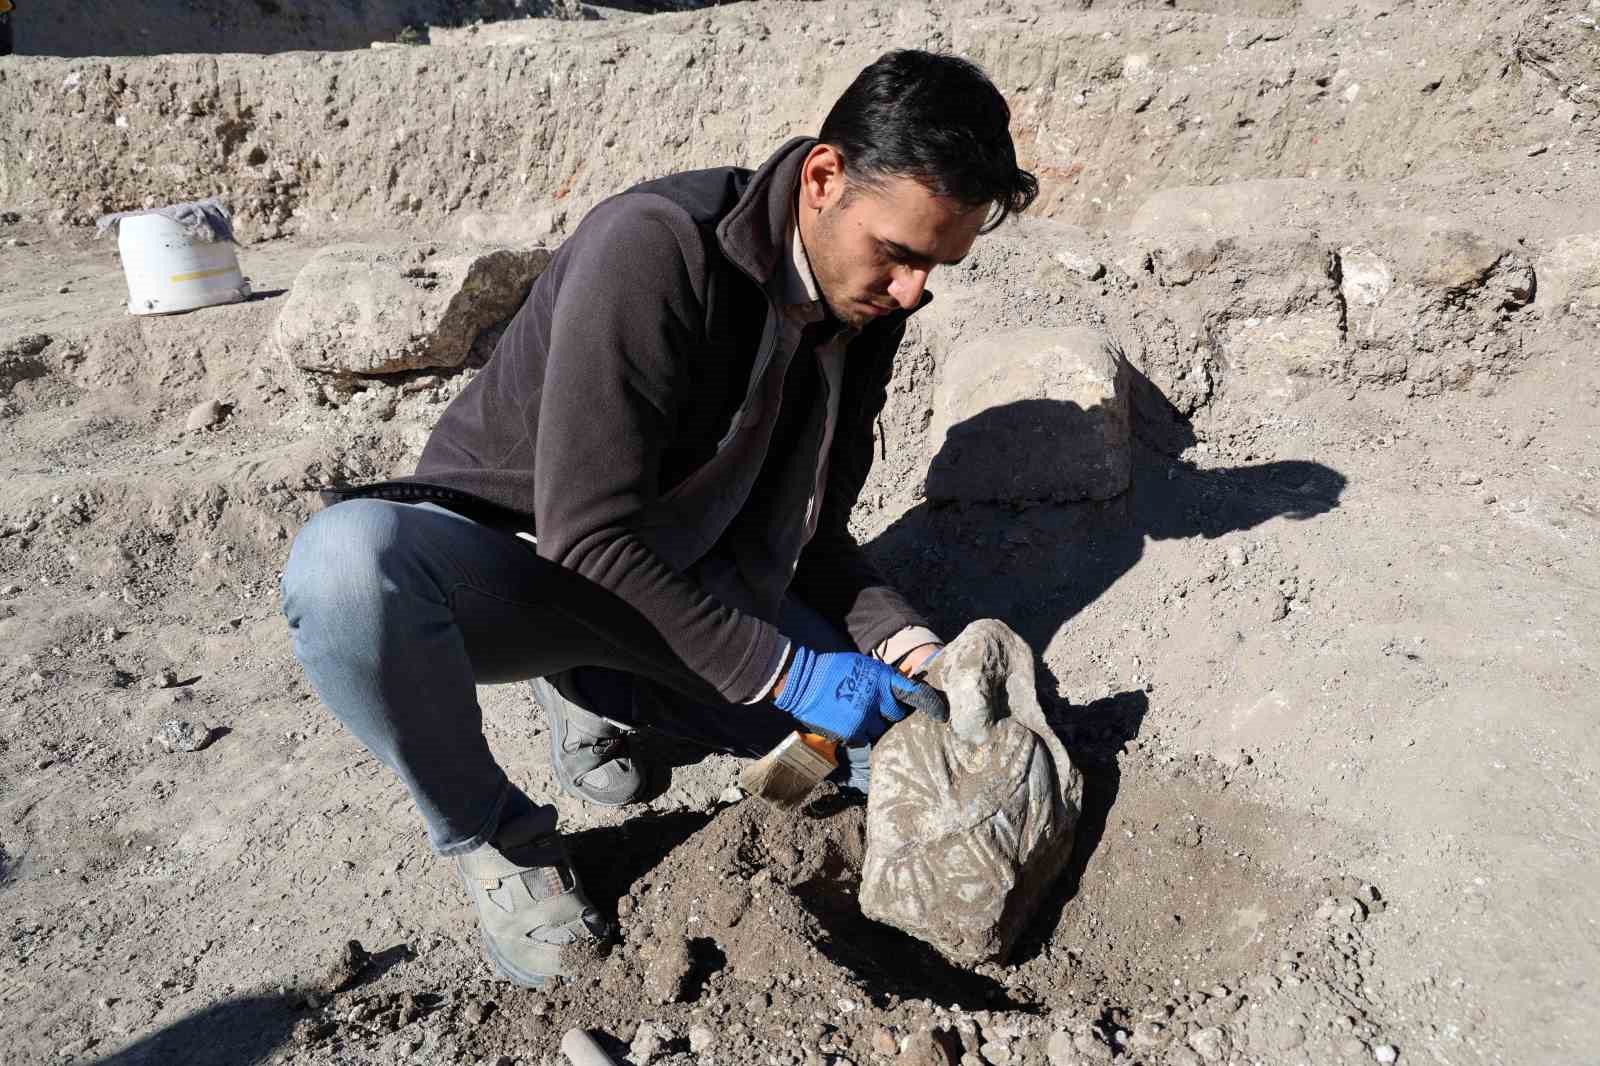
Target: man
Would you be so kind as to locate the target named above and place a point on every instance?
(642, 500)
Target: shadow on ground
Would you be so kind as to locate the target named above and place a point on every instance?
(612, 858)
(234, 1032)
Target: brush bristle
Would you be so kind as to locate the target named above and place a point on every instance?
(785, 776)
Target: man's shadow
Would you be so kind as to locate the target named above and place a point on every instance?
(1036, 565)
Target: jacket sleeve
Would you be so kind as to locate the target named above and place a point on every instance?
(835, 577)
(626, 316)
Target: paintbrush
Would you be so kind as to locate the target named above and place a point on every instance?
(785, 776)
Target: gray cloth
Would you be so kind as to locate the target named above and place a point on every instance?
(203, 220)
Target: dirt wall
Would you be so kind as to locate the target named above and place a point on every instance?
(530, 127)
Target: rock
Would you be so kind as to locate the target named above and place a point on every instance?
(19, 360)
(1569, 274)
(969, 822)
(1467, 477)
(1030, 415)
(1086, 266)
(1237, 556)
(931, 1047)
(166, 677)
(27, 344)
(176, 735)
(1148, 1034)
(1385, 1053)
(1090, 1046)
(205, 415)
(1342, 910)
(343, 965)
(701, 1038)
(649, 1040)
(1210, 1043)
(667, 972)
(884, 1042)
(1059, 1050)
(996, 1053)
(385, 308)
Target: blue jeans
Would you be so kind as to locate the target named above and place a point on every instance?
(397, 610)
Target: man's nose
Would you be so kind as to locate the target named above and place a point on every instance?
(907, 286)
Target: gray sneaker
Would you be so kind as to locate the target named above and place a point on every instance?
(590, 754)
(531, 906)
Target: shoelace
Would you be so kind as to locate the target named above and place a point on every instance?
(611, 747)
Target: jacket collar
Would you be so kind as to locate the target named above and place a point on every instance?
(755, 234)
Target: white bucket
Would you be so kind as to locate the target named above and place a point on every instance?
(168, 271)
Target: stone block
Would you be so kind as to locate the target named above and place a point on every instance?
(970, 821)
(1031, 415)
(386, 308)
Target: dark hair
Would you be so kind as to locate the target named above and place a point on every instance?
(937, 119)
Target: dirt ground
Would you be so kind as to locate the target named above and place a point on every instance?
(1329, 667)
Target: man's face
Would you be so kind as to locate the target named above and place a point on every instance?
(872, 248)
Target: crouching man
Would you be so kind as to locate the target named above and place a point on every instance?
(640, 504)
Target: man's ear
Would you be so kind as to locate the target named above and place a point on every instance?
(821, 177)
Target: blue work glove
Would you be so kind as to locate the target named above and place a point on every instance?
(851, 697)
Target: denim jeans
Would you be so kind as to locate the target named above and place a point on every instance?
(398, 610)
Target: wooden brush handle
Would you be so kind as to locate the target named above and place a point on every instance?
(828, 749)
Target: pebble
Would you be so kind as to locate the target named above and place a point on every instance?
(10, 590)
(884, 1042)
(1237, 556)
(1210, 1043)
(731, 794)
(1086, 266)
(164, 678)
(928, 1047)
(1091, 1047)
(176, 735)
(205, 415)
(996, 1053)
(648, 1041)
(1467, 477)
(1385, 1053)
(701, 1038)
(1147, 1035)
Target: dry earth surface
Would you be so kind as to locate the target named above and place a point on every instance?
(1329, 666)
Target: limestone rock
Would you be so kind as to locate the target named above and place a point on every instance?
(1569, 275)
(969, 822)
(1029, 415)
(386, 308)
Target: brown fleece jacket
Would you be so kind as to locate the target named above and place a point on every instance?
(629, 410)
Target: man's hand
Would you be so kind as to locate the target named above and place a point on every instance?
(851, 697)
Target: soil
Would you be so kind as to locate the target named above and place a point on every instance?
(1328, 667)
